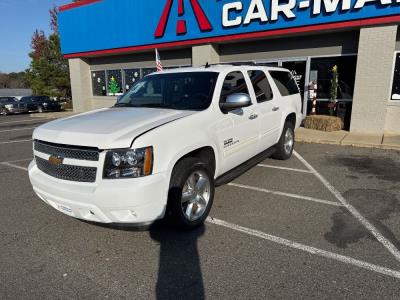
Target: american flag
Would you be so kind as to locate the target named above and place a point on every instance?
(158, 62)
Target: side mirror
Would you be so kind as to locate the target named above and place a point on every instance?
(235, 101)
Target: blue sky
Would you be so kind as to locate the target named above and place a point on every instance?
(19, 19)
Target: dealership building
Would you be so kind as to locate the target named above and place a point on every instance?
(110, 45)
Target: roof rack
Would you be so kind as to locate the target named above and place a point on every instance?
(251, 63)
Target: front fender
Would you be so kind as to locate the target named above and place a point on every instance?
(174, 140)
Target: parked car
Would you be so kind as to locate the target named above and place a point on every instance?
(10, 105)
(161, 149)
(40, 104)
(65, 103)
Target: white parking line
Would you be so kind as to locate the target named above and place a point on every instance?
(284, 168)
(305, 248)
(17, 129)
(284, 194)
(22, 121)
(16, 161)
(14, 166)
(385, 242)
(13, 142)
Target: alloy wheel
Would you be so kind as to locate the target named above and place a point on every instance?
(195, 195)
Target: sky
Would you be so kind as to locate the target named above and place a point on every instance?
(19, 19)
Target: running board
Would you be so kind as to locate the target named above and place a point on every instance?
(244, 167)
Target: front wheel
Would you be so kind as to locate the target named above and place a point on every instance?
(40, 109)
(191, 193)
(285, 146)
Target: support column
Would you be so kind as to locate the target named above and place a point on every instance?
(205, 54)
(80, 84)
(373, 77)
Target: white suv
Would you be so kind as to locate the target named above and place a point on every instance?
(161, 149)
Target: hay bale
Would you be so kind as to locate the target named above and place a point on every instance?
(323, 123)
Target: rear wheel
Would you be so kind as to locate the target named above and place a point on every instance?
(40, 109)
(191, 193)
(285, 146)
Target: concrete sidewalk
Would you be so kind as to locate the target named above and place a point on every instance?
(388, 141)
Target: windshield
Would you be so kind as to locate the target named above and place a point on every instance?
(7, 99)
(40, 98)
(183, 91)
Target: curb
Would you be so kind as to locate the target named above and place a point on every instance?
(340, 143)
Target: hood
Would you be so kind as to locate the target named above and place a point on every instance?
(108, 128)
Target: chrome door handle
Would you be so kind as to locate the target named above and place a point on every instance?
(276, 108)
(253, 116)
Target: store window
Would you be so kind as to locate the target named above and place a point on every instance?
(99, 83)
(261, 86)
(285, 83)
(131, 77)
(234, 83)
(396, 79)
(114, 83)
(321, 71)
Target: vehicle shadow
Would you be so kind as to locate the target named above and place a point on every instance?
(179, 271)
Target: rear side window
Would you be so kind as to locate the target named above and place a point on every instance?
(234, 83)
(285, 82)
(261, 86)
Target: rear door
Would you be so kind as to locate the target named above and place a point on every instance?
(237, 130)
(268, 106)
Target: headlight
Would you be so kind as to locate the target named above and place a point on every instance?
(128, 163)
(44, 104)
(9, 106)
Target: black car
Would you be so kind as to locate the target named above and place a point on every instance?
(10, 105)
(40, 103)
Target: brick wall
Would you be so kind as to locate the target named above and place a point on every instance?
(373, 78)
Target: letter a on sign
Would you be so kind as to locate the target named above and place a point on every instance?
(202, 20)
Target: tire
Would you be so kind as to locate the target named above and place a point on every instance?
(285, 146)
(40, 109)
(187, 177)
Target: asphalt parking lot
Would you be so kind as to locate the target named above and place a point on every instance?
(324, 224)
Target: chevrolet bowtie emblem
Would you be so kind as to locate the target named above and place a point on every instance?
(56, 160)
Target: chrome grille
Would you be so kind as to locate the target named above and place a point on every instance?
(65, 151)
(67, 172)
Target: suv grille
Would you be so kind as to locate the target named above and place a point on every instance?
(67, 151)
(67, 172)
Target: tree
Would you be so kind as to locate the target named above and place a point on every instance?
(113, 87)
(48, 73)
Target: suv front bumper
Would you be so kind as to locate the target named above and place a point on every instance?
(136, 201)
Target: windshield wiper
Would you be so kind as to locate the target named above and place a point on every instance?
(122, 105)
(155, 105)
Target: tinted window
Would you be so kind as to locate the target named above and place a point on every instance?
(131, 77)
(233, 83)
(25, 99)
(7, 99)
(396, 79)
(285, 82)
(114, 83)
(185, 91)
(261, 86)
(40, 99)
(99, 83)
